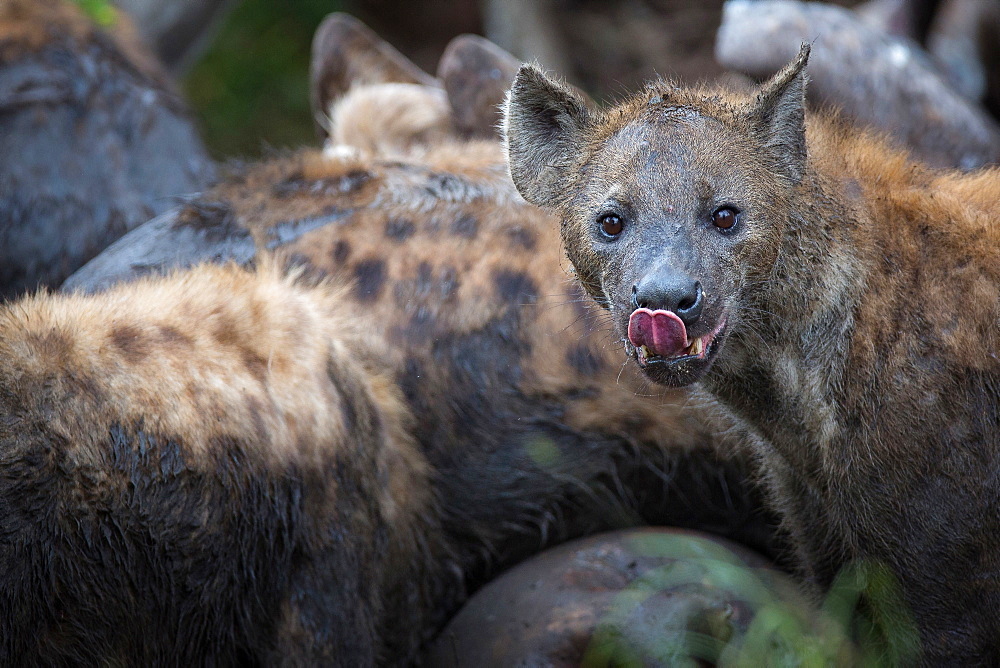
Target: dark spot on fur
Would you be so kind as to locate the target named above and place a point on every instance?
(361, 418)
(131, 342)
(352, 181)
(255, 364)
(424, 278)
(370, 277)
(515, 286)
(50, 343)
(225, 330)
(448, 283)
(465, 226)
(341, 251)
(583, 392)
(172, 336)
(399, 229)
(446, 187)
(421, 327)
(582, 358)
(88, 386)
(338, 185)
(215, 220)
(521, 237)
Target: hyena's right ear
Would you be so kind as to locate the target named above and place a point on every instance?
(543, 129)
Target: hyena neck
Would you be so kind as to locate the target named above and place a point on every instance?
(788, 357)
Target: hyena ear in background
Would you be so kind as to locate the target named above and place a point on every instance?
(544, 124)
(778, 115)
(346, 53)
(476, 74)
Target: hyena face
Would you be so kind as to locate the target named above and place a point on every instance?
(672, 205)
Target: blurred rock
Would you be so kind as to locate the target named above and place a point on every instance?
(95, 141)
(629, 597)
(965, 39)
(903, 18)
(178, 30)
(876, 79)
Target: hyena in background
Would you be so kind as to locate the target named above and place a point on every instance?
(225, 466)
(839, 299)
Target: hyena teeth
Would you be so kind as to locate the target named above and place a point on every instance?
(696, 347)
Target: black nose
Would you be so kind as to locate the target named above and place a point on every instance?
(671, 292)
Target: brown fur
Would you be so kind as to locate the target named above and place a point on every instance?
(168, 437)
(861, 296)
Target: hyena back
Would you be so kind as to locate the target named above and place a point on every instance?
(839, 299)
(202, 468)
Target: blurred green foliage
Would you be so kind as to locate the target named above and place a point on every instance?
(101, 12)
(250, 90)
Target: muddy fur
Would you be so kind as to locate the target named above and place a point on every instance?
(860, 294)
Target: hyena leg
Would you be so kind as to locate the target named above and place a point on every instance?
(328, 619)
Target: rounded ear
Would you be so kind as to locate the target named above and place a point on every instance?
(476, 74)
(543, 128)
(778, 114)
(345, 53)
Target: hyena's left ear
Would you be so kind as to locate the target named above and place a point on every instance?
(543, 126)
(778, 115)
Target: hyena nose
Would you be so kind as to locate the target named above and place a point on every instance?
(680, 294)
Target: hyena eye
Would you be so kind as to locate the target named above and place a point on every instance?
(725, 218)
(611, 224)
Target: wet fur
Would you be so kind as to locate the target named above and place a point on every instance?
(206, 468)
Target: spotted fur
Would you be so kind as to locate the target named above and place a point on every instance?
(207, 468)
(322, 474)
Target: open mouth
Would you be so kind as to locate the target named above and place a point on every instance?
(660, 338)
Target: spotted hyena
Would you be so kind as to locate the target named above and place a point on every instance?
(838, 298)
(228, 465)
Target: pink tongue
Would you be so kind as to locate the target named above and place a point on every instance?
(662, 332)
